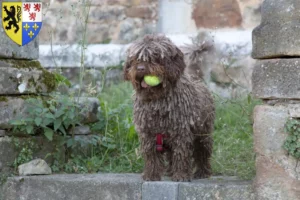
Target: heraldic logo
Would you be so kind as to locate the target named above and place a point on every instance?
(22, 21)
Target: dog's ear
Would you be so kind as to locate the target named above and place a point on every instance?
(175, 66)
(126, 68)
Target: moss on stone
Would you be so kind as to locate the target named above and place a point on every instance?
(47, 78)
(3, 99)
(31, 82)
(21, 64)
(28, 96)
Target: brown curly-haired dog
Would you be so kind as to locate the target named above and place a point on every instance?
(179, 109)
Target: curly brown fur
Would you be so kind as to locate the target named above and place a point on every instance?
(179, 107)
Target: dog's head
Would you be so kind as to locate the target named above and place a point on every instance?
(153, 55)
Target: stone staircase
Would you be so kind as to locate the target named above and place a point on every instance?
(122, 187)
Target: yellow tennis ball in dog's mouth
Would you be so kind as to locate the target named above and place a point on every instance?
(152, 80)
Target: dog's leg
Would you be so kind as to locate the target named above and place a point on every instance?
(202, 154)
(154, 167)
(182, 148)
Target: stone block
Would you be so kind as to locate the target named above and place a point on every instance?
(84, 145)
(80, 130)
(216, 189)
(9, 108)
(278, 34)
(75, 187)
(160, 190)
(251, 13)
(106, 13)
(276, 79)
(139, 12)
(217, 14)
(11, 147)
(89, 109)
(9, 49)
(294, 110)
(7, 154)
(277, 174)
(273, 181)
(34, 167)
(122, 187)
(96, 56)
(24, 77)
(2, 133)
(268, 130)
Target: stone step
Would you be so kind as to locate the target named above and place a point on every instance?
(122, 187)
(24, 77)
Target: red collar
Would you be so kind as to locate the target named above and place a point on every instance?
(160, 142)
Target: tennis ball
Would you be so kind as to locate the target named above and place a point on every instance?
(152, 80)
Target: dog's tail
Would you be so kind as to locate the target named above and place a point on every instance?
(194, 58)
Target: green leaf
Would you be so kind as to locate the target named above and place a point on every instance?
(49, 116)
(61, 79)
(71, 115)
(46, 122)
(59, 113)
(29, 129)
(17, 122)
(70, 142)
(28, 119)
(57, 124)
(98, 126)
(52, 108)
(38, 121)
(48, 133)
(249, 99)
(62, 129)
(38, 110)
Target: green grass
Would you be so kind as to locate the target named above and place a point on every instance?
(117, 150)
(233, 153)
(117, 103)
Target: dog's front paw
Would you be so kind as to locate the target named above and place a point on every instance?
(181, 178)
(201, 175)
(147, 177)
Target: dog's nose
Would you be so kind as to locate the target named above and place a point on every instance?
(141, 68)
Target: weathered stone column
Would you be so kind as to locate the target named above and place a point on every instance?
(21, 76)
(276, 80)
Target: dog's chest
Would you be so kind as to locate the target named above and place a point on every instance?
(157, 116)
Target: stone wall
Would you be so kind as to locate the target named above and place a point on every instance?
(275, 80)
(122, 21)
(22, 77)
(215, 14)
(118, 21)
